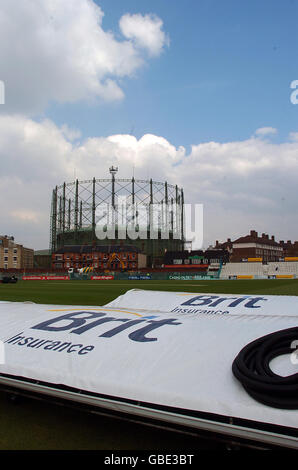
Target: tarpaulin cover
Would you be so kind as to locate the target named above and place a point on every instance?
(144, 346)
(191, 304)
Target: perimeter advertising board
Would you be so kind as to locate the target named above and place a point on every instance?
(102, 278)
(45, 278)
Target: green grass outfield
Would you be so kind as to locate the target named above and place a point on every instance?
(101, 292)
(32, 424)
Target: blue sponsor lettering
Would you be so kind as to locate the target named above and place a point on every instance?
(214, 300)
(140, 335)
(79, 322)
(195, 311)
(70, 320)
(49, 345)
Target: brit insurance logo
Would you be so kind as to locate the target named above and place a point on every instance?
(140, 329)
(216, 304)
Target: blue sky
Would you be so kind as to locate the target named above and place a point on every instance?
(196, 93)
(226, 73)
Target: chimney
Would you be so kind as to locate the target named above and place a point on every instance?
(272, 238)
(253, 233)
(229, 240)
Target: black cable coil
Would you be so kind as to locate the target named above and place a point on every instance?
(251, 367)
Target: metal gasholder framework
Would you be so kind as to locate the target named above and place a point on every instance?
(80, 209)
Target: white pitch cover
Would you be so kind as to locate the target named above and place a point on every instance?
(144, 346)
(192, 304)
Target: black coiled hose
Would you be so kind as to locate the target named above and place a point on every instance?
(251, 367)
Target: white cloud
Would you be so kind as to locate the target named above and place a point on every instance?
(24, 215)
(249, 184)
(145, 31)
(70, 134)
(58, 51)
(243, 185)
(264, 131)
(293, 136)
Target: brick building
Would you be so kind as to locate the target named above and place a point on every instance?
(255, 246)
(226, 246)
(43, 259)
(14, 255)
(258, 247)
(101, 258)
(290, 249)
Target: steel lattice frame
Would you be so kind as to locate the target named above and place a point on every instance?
(74, 205)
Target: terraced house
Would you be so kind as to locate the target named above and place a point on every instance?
(14, 255)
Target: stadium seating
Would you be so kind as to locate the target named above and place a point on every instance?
(242, 269)
(259, 270)
(214, 269)
(285, 268)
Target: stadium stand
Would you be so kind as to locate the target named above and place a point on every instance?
(241, 269)
(259, 271)
(207, 262)
(284, 268)
(214, 268)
